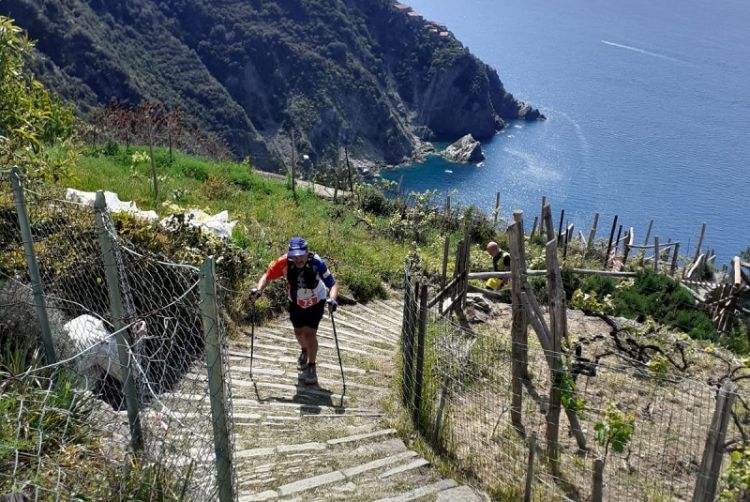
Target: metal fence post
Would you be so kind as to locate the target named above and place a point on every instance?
(419, 369)
(404, 332)
(36, 279)
(121, 333)
(407, 346)
(216, 379)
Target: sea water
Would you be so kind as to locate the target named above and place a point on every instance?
(648, 107)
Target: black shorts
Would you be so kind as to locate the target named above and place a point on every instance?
(309, 317)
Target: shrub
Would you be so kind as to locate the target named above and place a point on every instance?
(601, 285)
(657, 296)
(217, 188)
(362, 285)
(194, 170)
(374, 201)
(571, 282)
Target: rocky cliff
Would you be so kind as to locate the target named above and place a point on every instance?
(371, 74)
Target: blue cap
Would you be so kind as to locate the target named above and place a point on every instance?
(297, 247)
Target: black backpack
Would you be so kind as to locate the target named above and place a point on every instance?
(308, 273)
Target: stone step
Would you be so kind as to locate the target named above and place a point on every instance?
(347, 335)
(394, 315)
(290, 350)
(329, 379)
(314, 459)
(420, 462)
(236, 356)
(325, 341)
(336, 476)
(314, 446)
(393, 309)
(390, 325)
(297, 442)
(422, 491)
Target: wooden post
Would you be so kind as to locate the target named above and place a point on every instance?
(617, 240)
(111, 273)
(645, 241)
(467, 261)
(675, 255)
(609, 244)
(441, 409)
(448, 212)
(737, 269)
(530, 469)
(445, 259)
(560, 238)
(533, 228)
(37, 288)
(710, 468)
(628, 245)
(558, 331)
(668, 250)
(568, 237)
(216, 380)
(547, 218)
(458, 272)
(657, 252)
(497, 208)
(597, 481)
(294, 163)
(518, 328)
(700, 242)
(541, 214)
(419, 369)
(592, 234)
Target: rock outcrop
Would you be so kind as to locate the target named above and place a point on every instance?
(263, 74)
(465, 150)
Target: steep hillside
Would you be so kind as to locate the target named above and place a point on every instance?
(369, 73)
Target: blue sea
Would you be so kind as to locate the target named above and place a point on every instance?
(648, 107)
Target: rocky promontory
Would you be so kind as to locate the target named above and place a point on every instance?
(274, 77)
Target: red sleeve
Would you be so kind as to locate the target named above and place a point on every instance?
(277, 270)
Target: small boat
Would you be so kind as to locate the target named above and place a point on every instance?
(449, 171)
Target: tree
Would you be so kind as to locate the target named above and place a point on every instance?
(30, 116)
(119, 123)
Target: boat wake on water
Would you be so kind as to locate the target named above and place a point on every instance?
(643, 51)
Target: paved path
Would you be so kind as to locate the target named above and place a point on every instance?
(297, 442)
(321, 190)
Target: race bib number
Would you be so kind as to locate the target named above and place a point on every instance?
(306, 298)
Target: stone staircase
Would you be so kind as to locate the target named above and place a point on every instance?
(298, 442)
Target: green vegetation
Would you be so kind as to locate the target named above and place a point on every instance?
(736, 478)
(251, 72)
(30, 116)
(365, 251)
(614, 430)
(651, 295)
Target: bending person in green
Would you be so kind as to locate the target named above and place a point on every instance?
(308, 278)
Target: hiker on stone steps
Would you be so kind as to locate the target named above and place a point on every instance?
(307, 277)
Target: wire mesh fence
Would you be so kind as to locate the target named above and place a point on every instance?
(647, 428)
(123, 408)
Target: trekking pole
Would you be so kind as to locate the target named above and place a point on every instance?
(252, 343)
(338, 351)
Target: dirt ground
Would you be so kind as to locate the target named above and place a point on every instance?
(665, 381)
